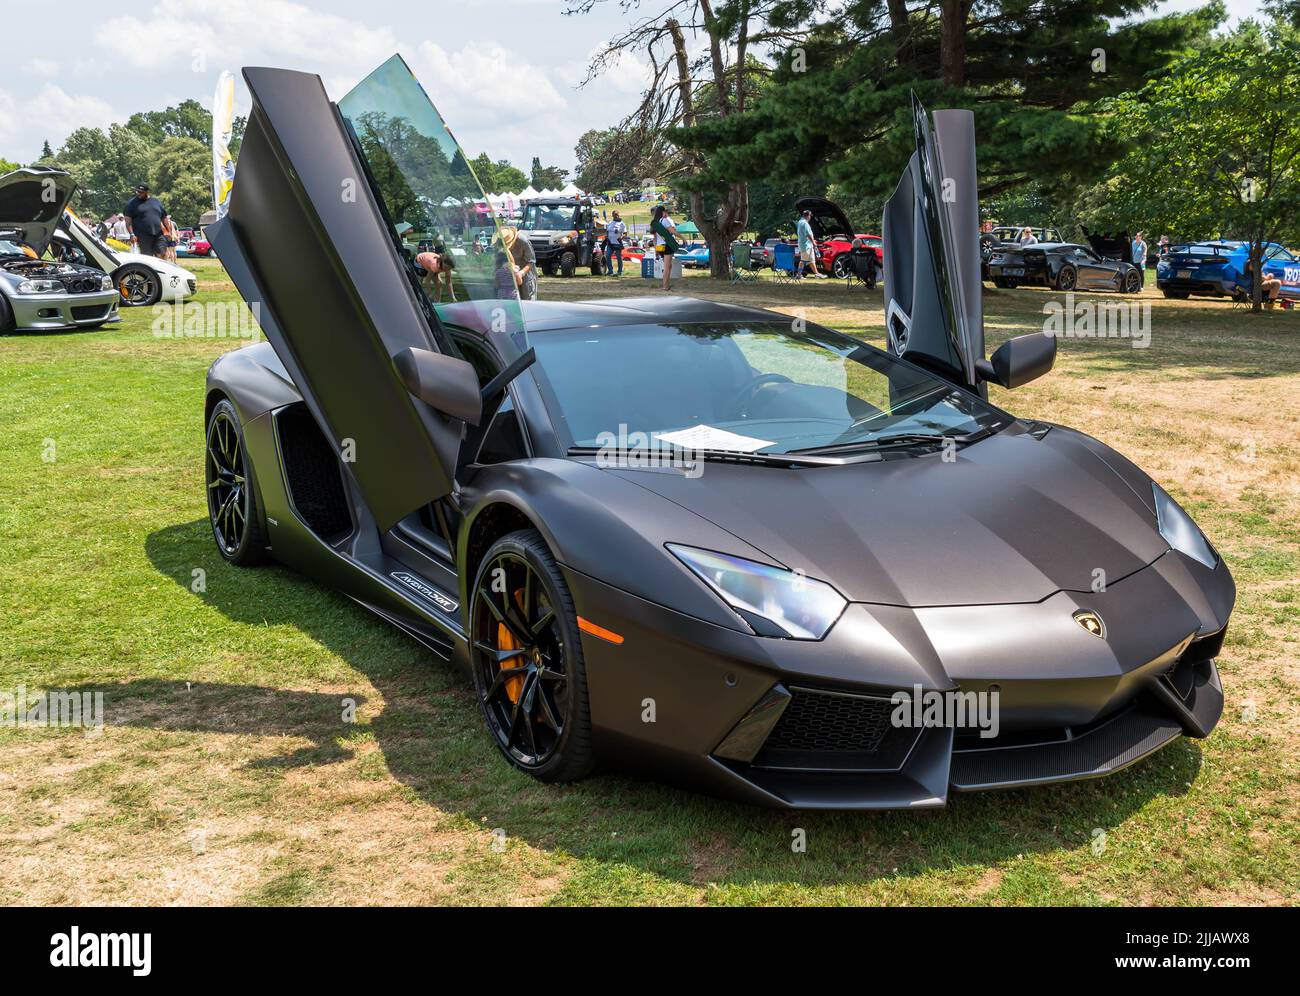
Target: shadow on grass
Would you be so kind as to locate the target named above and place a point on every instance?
(433, 741)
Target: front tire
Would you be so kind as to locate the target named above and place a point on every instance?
(840, 266)
(139, 286)
(568, 264)
(526, 655)
(234, 512)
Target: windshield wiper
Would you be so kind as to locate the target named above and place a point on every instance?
(903, 440)
(652, 457)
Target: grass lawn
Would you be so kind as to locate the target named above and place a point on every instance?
(225, 772)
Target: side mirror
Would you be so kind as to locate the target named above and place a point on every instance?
(1020, 360)
(444, 383)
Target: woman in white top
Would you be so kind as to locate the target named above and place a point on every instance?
(665, 232)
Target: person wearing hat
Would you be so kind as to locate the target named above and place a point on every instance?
(525, 262)
(144, 221)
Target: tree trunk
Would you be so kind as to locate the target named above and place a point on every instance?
(900, 31)
(1256, 276)
(952, 41)
(732, 213)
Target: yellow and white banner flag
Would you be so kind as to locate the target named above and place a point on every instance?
(223, 118)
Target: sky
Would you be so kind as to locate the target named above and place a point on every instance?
(504, 73)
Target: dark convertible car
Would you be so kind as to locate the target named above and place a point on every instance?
(702, 540)
(1063, 265)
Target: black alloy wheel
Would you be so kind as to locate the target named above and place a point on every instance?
(232, 501)
(527, 660)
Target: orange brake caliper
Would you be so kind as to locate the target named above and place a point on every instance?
(506, 641)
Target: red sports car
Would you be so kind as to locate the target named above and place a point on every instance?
(835, 235)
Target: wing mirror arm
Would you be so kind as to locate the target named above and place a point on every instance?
(445, 383)
(1018, 361)
(512, 370)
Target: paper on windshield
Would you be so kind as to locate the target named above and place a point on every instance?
(706, 437)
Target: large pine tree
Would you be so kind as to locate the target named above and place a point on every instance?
(1031, 70)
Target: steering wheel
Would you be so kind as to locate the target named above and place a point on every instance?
(746, 394)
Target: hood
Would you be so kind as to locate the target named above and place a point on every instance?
(1015, 518)
(32, 200)
(828, 219)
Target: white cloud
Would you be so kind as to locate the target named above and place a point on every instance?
(41, 67)
(204, 35)
(484, 77)
(53, 112)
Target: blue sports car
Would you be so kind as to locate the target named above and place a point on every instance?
(694, 256)
(1219, 268)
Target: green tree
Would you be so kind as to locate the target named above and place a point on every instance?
(498, 176)
(188, 119)
(1223, 126)
(544, 177)
(182, 178)
(1033, 72)
(6, 166)
(106, 166)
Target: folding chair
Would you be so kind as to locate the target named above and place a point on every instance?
(742, 265)
(783, 265)
(861, 268)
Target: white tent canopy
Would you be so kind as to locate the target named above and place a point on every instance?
(571, 190)
(528, 193)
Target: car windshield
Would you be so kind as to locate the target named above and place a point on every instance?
(435, 207)
(549, 217)
(755, 387)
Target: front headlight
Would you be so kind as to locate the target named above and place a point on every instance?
(39, 287)
(772, 600)
(1177, 527)
(106, 283)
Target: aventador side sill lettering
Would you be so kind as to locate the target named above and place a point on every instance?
(426, 591)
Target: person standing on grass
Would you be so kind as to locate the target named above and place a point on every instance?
(523, 260)
(807, 246)
(665, 232)
(144, 221)
(615, 232)
(1138, 252)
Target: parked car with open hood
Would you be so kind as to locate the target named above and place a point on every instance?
(833, 235)
(819, 527)
(36, 293)
(141, 280)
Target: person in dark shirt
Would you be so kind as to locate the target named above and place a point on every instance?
(144, 221)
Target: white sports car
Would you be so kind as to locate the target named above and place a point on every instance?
(141, 280)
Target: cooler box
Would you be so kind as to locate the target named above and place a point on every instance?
(652, 267)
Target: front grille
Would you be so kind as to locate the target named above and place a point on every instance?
(83, 285)
(823, 730)
(829, 721)
(86, 312)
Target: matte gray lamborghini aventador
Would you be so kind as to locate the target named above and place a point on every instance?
(729, 548)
